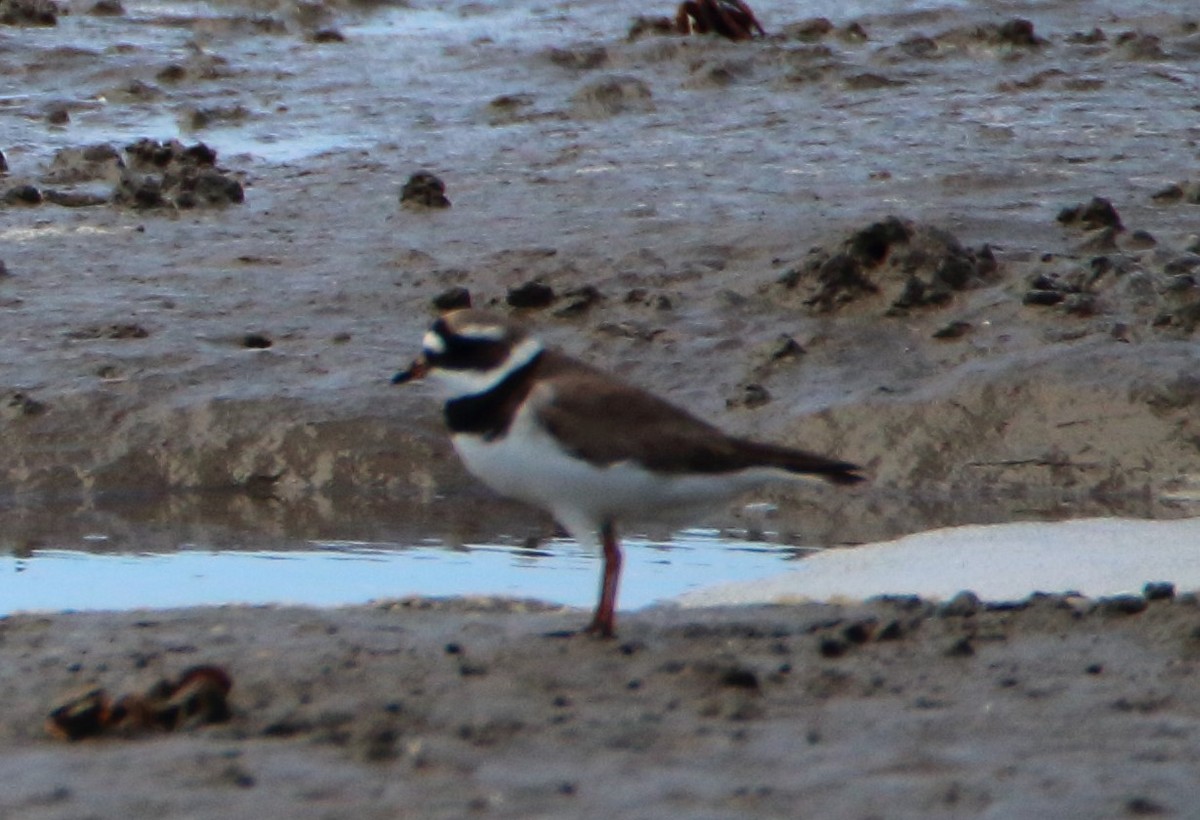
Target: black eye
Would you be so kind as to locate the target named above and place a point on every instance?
(466, 352)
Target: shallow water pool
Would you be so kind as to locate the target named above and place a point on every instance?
(334, 573)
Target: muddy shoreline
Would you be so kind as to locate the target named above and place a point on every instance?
(447, 708)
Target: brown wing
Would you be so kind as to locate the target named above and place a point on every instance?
(603, 420)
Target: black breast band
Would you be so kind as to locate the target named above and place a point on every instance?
(489, 414)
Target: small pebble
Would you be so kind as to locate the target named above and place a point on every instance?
(1158, 591)
(531, 295)
(452, 299)
(963, 604)
(1122, 605)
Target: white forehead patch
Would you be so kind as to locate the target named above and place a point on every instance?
(433, 343)
(491, 333)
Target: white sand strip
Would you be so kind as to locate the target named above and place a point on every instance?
(1096, 557)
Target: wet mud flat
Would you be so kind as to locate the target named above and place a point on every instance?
(424, 708)
(956, 246)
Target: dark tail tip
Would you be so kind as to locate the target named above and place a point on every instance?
(845, 475)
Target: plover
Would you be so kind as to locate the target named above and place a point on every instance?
(541, 427)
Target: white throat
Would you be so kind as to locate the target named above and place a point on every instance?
(457, 384)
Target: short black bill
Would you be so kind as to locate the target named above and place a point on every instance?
(415, 371)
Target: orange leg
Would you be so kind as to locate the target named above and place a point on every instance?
(603, 622)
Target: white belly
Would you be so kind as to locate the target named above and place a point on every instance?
(527, 465)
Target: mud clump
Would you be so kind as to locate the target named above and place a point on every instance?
(150, 174)
(581, 58)
(1017, 32)
(650, 26)
(170, 175)
(1094, 215)
(578, 301)
(196, 119)
(17, 405)
(454, 298)
(127, 330)
(1159, 290)
(107, 8)
(809, 30)
(29, 13)
(610, 96)
(424, 190)
(23, 195)
(910, 266)
(85, 163)
(533, 295)
(1188, 192)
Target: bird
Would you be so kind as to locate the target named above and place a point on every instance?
(592, 450)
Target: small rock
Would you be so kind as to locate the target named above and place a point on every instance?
(73, 199)
(1122, 605)
(533, 295)
(1182, 264)
(812, 29)
(752, 395)
(1101, 241)
(581, 58)
(29, 13)
(453, 298)
(1042, 297)
(1018, 32)
(740, 677)
(1144, 807)
(1099, 213)
(954, 330)
(256, 341)
(1092, 37)
(610, 96)
(509, 108)
(23, 195)
(961, 605)
(579, 300)
(859, 631)
(1141, 239)
(21, 404)
(833, 647)
(1171, 193)
(117, 331)
(786, 347)
(1081, 304)
(423, 189)
(891, 631)
(327, 35)
(961, 648)
(855, 33)
(195, 119)
(171, 73)
(643, 26)
(1158, 591)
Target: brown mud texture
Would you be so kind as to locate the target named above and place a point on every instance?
(957, 248)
